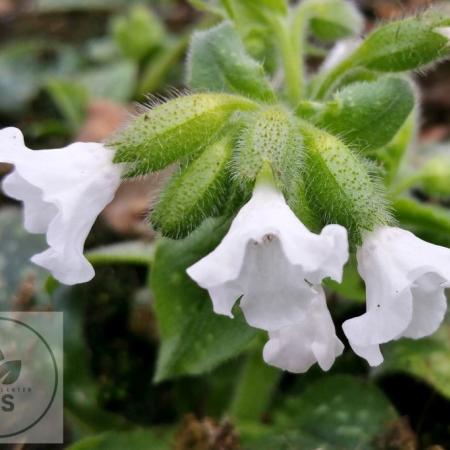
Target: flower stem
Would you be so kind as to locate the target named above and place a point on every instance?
(255, 388)
(328, 81)
(292, 60)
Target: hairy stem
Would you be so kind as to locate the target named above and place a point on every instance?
(292, 61)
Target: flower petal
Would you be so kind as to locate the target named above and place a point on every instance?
(405, 278)
(275, 293)
(297, 347)
(272, 260)
(63, 191)
(429, 306)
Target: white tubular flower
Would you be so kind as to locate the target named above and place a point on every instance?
(297, 347)
(63, 191)
(273, 263)
(405, 280)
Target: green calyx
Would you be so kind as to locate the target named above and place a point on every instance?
(269, 137)
(339, 185)
(174, 130)
(197, 191)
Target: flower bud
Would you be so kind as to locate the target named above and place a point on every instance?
(174, 130)
(196, 192)
(272, 138)
(339, 185)
(405, 44)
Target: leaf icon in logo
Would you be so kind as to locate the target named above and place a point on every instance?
(10, 371)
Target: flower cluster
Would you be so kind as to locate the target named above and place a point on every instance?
(275, 266)
(297, 147)
(269, 261)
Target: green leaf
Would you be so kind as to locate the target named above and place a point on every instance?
(331, 20)
(133, 252)
(194, 340)
(140, 439)
(391, 156)
(71, 99)
(430, 222)
(340, 411)
(138, 32)
(368, 115)
(115, 81)
(219, 62)
(20, 77)
(427, 359)
(174, 130)
(81, 391)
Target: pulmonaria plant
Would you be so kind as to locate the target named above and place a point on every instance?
(304, 166)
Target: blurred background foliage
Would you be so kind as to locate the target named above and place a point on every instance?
(157, 374)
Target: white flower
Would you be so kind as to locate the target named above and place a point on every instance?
(273, 263)
(341, 50)
(63, 191)
(297, 347)
(405, 279)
